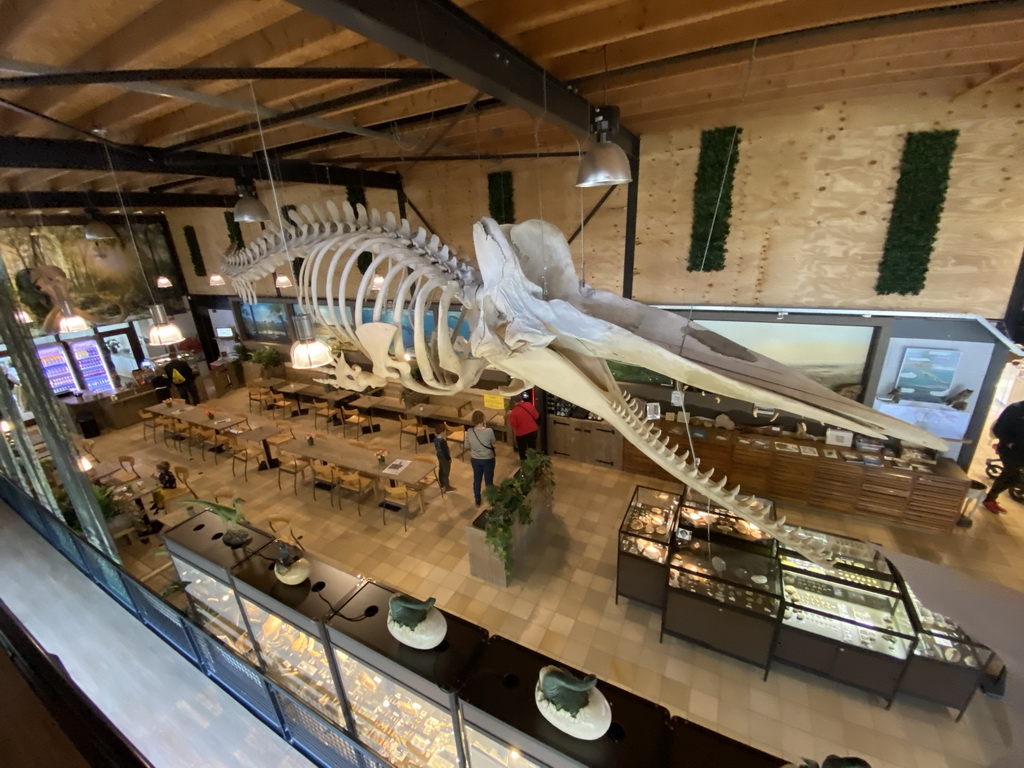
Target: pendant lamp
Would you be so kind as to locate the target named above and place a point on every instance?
(216, 279)
(23, 317)
(98, 230)
(163, 332)
(163, 282)
(282, 281)
(308, 351)
(70, 321)
(606, 163)
(249, 209)
(377, 283)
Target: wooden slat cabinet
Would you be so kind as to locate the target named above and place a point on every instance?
(592, 442)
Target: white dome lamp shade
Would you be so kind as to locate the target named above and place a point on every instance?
(164, 282)
(249, 209)
(606, 163)
(163, 332)
(216, 279)
(282, 281)
(308, 351)
(98, 230)
(70, 321)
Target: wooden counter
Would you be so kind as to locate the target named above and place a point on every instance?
(112, 410)
(917, 499)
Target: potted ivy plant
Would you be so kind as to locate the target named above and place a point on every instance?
(516, 510)
(263, 363)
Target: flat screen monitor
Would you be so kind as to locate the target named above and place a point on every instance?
(224, 333)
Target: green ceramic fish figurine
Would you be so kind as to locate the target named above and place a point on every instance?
(407, 611)
(565, 691)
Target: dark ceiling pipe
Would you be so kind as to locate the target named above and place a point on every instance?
(458, 158)
(100, 77)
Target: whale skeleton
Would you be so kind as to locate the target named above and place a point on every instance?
(530, 316)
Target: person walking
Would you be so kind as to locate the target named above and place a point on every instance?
(444, 457)
(481, 453)
(1008, 429)
(184, 379)
(523, 419)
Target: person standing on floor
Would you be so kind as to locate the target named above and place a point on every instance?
(481, 453)
(444, 457)
(523, 419)
(184, 379)
(1008, 429)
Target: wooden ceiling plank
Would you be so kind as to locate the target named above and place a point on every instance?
(513, 18)
(789, 17)
(159, 39)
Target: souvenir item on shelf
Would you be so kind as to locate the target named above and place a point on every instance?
(572, 704)
(558, 338)
(416, 623)
(291, 568)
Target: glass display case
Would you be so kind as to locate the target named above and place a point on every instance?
(698, 516)
(483, 751)
(215, 608)
(858, 563)
(295, 660)
(946, 665)
(724, 597)
(644, 537)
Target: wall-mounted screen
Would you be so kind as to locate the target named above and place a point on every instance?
(265, 321)
(832, 355)
(224, 333)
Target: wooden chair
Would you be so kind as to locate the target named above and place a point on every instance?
(162, 495)
(322, 409)
(183, 473)
(279, 402)
(201, 437)
(410, 426)
(325, 473)
(87, 446)
(257, 395)
(241, 454)
(398, 495)
(420, 486)
(457, 434)
(355, 418)
(126, 473)
(281, 527)
(294, 466)
(356, 482)
(150, 421)
(176, 430)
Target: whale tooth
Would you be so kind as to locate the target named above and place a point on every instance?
(685, 456)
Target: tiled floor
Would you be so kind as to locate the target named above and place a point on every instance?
(564, 604)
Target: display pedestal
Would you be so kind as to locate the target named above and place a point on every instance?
(484, 563)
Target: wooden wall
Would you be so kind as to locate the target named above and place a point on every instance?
(812, 194)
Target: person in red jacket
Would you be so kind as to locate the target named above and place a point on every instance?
(523, 419)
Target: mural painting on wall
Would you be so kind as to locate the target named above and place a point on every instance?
(832, 355)
(927, 374)
(265, 321)
(103, 278)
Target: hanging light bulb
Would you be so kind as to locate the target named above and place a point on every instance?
(605, 164)
(164, 282)
(282, 281)
(84, 464)
(377, 283)
(308, 351)
(216, 279)
(248, 208)
(70, 321)
(23, 317)
(98, 230)
(5, 426)
(163, 332)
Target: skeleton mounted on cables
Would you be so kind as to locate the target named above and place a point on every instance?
(531, 317)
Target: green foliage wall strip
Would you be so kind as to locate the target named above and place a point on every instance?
(234, 231)
(719, 153)
(916, 210)
(193, 250)
(356, 195)
(499, 197)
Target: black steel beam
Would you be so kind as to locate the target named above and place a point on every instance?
(27, 201)
(458, 158)
(347, 101)
(593, 211)
(441, 33)
(72, 155)
(413, 121)
(632, 201)
(96, 77)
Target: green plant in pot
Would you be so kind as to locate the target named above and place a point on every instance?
(267, 357)
(508, 503)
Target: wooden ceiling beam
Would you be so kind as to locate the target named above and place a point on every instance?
(800, 32)
(158, 38)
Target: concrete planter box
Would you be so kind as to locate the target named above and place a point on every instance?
(484, 563)
(254, 371)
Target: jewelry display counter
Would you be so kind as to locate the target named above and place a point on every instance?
(729, 587)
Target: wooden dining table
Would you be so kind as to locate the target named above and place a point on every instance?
(342, 454)
(295, 389)
(260, 435)
(198, 416)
